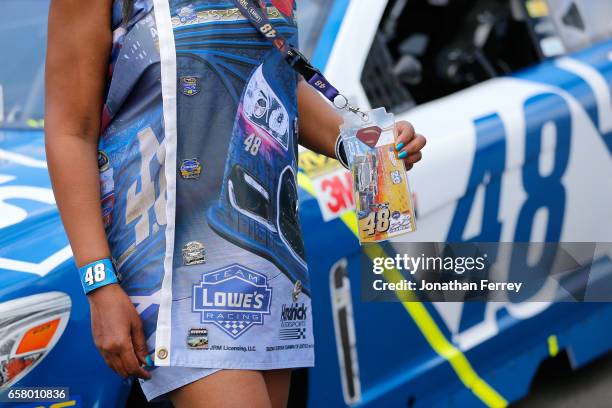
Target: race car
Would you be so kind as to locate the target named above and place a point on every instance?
(515, 99)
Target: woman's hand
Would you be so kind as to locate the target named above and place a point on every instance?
(320, 122)
(409, 144)
(117, 331)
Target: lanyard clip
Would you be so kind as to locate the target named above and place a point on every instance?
(341, 102)
(364, 116)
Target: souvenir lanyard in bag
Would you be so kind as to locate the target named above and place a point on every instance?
(257, 15)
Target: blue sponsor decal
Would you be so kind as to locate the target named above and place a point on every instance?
(187, 14)
(191, 169)
(190, 85)
(234, 298)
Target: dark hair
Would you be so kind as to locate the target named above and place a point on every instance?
(127, 8)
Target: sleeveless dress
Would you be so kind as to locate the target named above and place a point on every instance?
(198, 158)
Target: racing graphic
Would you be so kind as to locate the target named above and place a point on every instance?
(258, 205)
(234, 299)
(263, 108)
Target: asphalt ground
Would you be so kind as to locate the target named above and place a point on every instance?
(556, 385)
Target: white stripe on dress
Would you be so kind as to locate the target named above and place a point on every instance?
(167, 53)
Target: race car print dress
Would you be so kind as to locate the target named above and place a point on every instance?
(198, 158)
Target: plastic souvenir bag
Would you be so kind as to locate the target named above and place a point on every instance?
(383, 202)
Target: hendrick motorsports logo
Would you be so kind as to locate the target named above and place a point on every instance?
(293, 322)
(233, 298)
(294, 315)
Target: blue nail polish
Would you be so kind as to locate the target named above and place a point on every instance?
(149, 361)
(402, 155)
(399, 146)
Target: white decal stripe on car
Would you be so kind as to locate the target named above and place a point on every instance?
(40, 269)
(22, 159)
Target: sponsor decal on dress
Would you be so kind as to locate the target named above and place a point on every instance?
(187, 14)
(191, 169)
(234, 298)
(197, 338)
(293, 321)
(194, 253)
(190, 85)
(297, 333)
(294, 315)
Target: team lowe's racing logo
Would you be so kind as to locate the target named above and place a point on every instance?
(233, 298)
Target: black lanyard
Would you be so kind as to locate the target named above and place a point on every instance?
(256, 12)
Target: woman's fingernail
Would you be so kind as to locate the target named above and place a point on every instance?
(399, 146)
(149, 360)
(403, 155)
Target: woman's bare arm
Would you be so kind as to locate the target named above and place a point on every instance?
(79, 44)
(319, 121)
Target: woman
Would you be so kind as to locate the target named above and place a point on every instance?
(171, 140)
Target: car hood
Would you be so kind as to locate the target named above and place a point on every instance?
(32, 240)
(25, 189)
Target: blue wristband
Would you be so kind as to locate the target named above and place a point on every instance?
(97, 274)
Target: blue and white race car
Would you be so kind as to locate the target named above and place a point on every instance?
(515, 97)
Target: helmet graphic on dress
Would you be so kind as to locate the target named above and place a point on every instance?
(257, 208)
